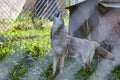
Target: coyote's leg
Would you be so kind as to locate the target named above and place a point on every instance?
(90, 58)
(55, 61)
(88, 66)
(62, 63)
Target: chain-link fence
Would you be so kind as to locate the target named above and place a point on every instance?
(41, 8)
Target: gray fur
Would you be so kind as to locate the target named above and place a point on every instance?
(64, 44)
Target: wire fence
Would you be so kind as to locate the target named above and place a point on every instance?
(48, 8)
(40, 8)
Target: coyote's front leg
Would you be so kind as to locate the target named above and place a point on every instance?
(62, 63)
(55, 61)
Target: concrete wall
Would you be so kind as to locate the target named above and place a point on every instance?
(110, 0)
(76, 1)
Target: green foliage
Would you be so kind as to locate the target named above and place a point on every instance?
(24, 35)
(35, 40)
(18, 72)
(115, 75)
(68, 2)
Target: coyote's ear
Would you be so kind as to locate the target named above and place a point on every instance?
(57, 14)
(60, 14)
(54, 18)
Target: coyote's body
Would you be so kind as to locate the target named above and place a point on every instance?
(64, 44)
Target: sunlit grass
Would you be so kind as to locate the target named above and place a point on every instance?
(26, 36)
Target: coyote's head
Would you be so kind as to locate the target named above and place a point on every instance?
(58, 24)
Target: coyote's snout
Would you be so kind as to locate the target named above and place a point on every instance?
(63, 44)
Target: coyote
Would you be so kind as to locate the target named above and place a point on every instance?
(63, 44)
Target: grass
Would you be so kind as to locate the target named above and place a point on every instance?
(26, 36)
(35, 40)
